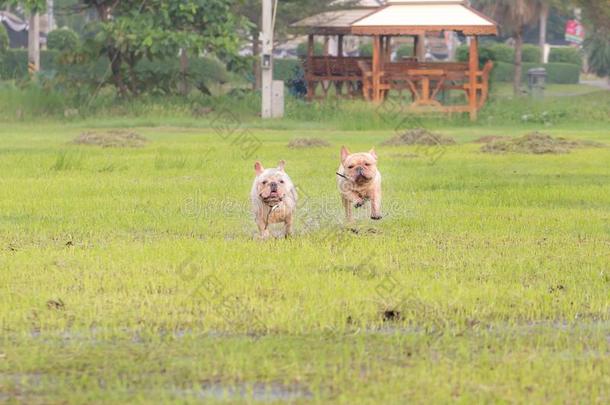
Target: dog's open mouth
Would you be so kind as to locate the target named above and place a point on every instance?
(361, 178)
(273, 197)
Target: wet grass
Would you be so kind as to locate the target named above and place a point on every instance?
(132, 275)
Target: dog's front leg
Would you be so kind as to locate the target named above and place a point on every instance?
(262, 224)
(347, 204)
(376, 204)
(289, 227)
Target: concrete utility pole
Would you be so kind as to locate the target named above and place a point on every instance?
(267, 59)
(34, 44)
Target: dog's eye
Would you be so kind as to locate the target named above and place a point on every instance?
(282, 181)
(264, 182)
(350, 167)
(367, 164)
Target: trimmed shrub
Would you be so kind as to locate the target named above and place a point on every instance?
(503, 52)
(365, 50)
(318, 49)
(531, 53)
(4, 40)
(404, 51)
(561, 73)
(485, 54)
(566, 55)
(63, 39)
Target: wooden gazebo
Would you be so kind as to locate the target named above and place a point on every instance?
(375, 76)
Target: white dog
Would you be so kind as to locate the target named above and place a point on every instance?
(274, 198)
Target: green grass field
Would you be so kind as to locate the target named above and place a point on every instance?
(132, 275)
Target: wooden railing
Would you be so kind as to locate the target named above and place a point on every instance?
(424, 80)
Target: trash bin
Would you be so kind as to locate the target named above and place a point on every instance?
(536, 81)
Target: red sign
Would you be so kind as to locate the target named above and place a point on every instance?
(575, 32)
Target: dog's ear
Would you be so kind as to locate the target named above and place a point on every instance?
(373, 154)
(258, 168)
(281, 165)
(344, 153)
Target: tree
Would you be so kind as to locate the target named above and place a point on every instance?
(130, 30)
(545, 9)
(288, 11)
(514, 16)
(597, 44)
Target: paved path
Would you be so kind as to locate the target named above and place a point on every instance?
(602, 84)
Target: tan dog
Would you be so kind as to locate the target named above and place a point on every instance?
(359, 180)
(274, 198)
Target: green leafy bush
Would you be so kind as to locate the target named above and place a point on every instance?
(284, 69)
(63, 39)
(79, 74)
(566, 55)
(318, 49)
(4, 40)
(531, 53)
(14, 63)
(561, 73)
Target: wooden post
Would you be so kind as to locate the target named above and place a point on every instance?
(473, 67)
(387, 49)
(326, 45)
(415, 44)
(340, 46)
(376, 68)
(421, 47)
(309, 69)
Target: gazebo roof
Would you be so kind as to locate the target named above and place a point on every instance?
(333, 22)
(401, 17)
(404, 17)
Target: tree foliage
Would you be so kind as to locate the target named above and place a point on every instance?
(129, 30)
(597, 44)
(514, 16)
(4, 40)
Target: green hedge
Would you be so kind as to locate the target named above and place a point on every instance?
(14, 63)
(404, 51)
(566, 55)
(561, 73)
(531, 53)
(366, 50)
(501, 53)
(318, 49)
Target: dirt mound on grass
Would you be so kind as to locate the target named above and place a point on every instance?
(537, 143)
(111, 139)
(299, 143)
(419, 136)
(491, 138)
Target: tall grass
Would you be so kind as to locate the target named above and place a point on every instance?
(36, 102)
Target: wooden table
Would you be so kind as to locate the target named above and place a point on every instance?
(420, 80)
